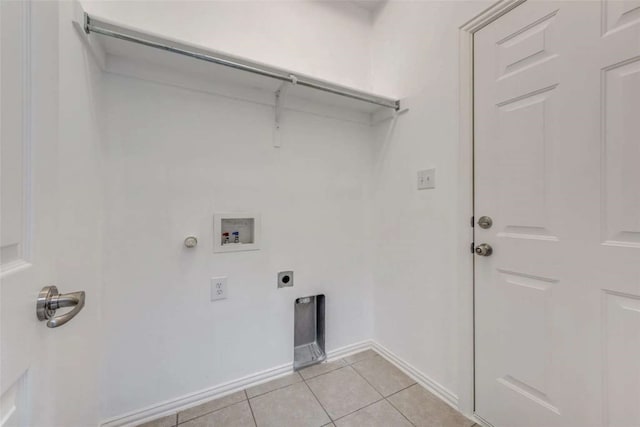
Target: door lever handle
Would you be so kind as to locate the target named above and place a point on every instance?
(49, 300)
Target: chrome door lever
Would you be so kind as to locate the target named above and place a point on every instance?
(49, 300)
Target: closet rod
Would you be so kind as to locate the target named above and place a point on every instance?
(93, 26)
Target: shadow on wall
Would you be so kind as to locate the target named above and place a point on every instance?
(359, 9)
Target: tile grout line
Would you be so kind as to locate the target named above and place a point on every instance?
(334, 370)
(250, 408)
(325, 373)
(367, 381)
(394, 406)
(403, 389)
(275, 389)
(359, 409)
(303, 379)
(400, 412)
(395, 392)
(248, 399)
(210, 412)
(346, 364)
(360, 360)
(385, 397)
(318, 400)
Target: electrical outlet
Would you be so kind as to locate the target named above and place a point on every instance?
(426, 179)
(218, 288)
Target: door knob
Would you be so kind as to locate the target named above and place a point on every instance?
(484, 249)
(49, 300)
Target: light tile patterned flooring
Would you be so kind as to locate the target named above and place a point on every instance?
(359, 390)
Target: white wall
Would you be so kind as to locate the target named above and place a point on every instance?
(174, 157)
(329, 40)
(415, 54)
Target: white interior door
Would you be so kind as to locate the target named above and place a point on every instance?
(557, 155)
(31, 388)
(28, 173)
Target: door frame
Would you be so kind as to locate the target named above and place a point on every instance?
(466, 283)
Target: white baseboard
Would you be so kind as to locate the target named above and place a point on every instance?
(173, 406)
(433, 386)
(350, 349)
(481, 421)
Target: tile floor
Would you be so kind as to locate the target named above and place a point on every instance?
(359, 390)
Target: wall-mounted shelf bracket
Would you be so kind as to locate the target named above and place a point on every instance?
(280, 96)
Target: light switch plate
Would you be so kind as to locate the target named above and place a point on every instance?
(426, 179)
(218, 288)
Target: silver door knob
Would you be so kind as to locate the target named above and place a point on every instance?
(49, 300)
(484, 250)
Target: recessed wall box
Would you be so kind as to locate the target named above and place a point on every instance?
(234, 232)
(308, 346)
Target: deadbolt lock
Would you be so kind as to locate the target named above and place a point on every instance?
(485, 222)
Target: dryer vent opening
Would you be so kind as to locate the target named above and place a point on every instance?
(309, 332)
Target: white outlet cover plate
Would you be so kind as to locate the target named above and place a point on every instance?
(426, 179)
(218, 288)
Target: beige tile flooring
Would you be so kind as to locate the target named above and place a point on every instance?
(359, 390)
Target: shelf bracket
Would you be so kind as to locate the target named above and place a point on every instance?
(280, 95)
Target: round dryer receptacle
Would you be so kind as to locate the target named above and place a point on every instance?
(285, 279)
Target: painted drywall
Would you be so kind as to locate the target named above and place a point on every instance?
(174, 157)
(416, 253)
(324, 39)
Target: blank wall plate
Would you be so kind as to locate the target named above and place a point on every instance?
(426, 179)
(218, 288)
